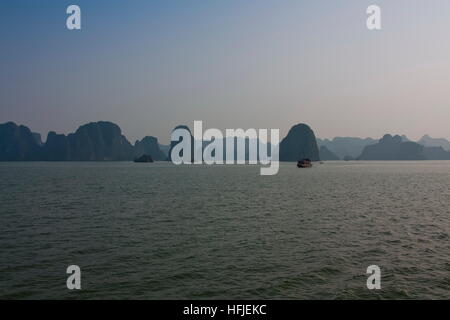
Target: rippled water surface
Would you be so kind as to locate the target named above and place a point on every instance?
(159, 231)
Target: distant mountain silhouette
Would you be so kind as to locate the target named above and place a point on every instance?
(350, 147)
(100, 141)
(95, 141)
(37, 137)
(436, 153)
(165, 149)
(18, 143)
(326, 154)
(404, 138)
(299, 143)
(427, 141)
(393, 148)
(149, 146)
(57, 148)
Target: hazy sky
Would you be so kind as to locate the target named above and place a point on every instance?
(151, 65)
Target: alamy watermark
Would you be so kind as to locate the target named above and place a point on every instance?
(374, 19)
(74, 280)
(73, 21)
(235, 147)
(374, 280)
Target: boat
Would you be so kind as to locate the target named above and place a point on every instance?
(304, 163)
(144, 158)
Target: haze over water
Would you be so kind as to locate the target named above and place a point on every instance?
(161, 231)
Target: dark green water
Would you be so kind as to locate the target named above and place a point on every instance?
(158, 231)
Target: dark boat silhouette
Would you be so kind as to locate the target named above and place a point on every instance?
(304, 163)
(144, 158)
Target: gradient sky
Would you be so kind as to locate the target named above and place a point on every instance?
(151, 65)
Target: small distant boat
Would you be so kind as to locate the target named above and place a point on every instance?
(144, 158)
(304, 163)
